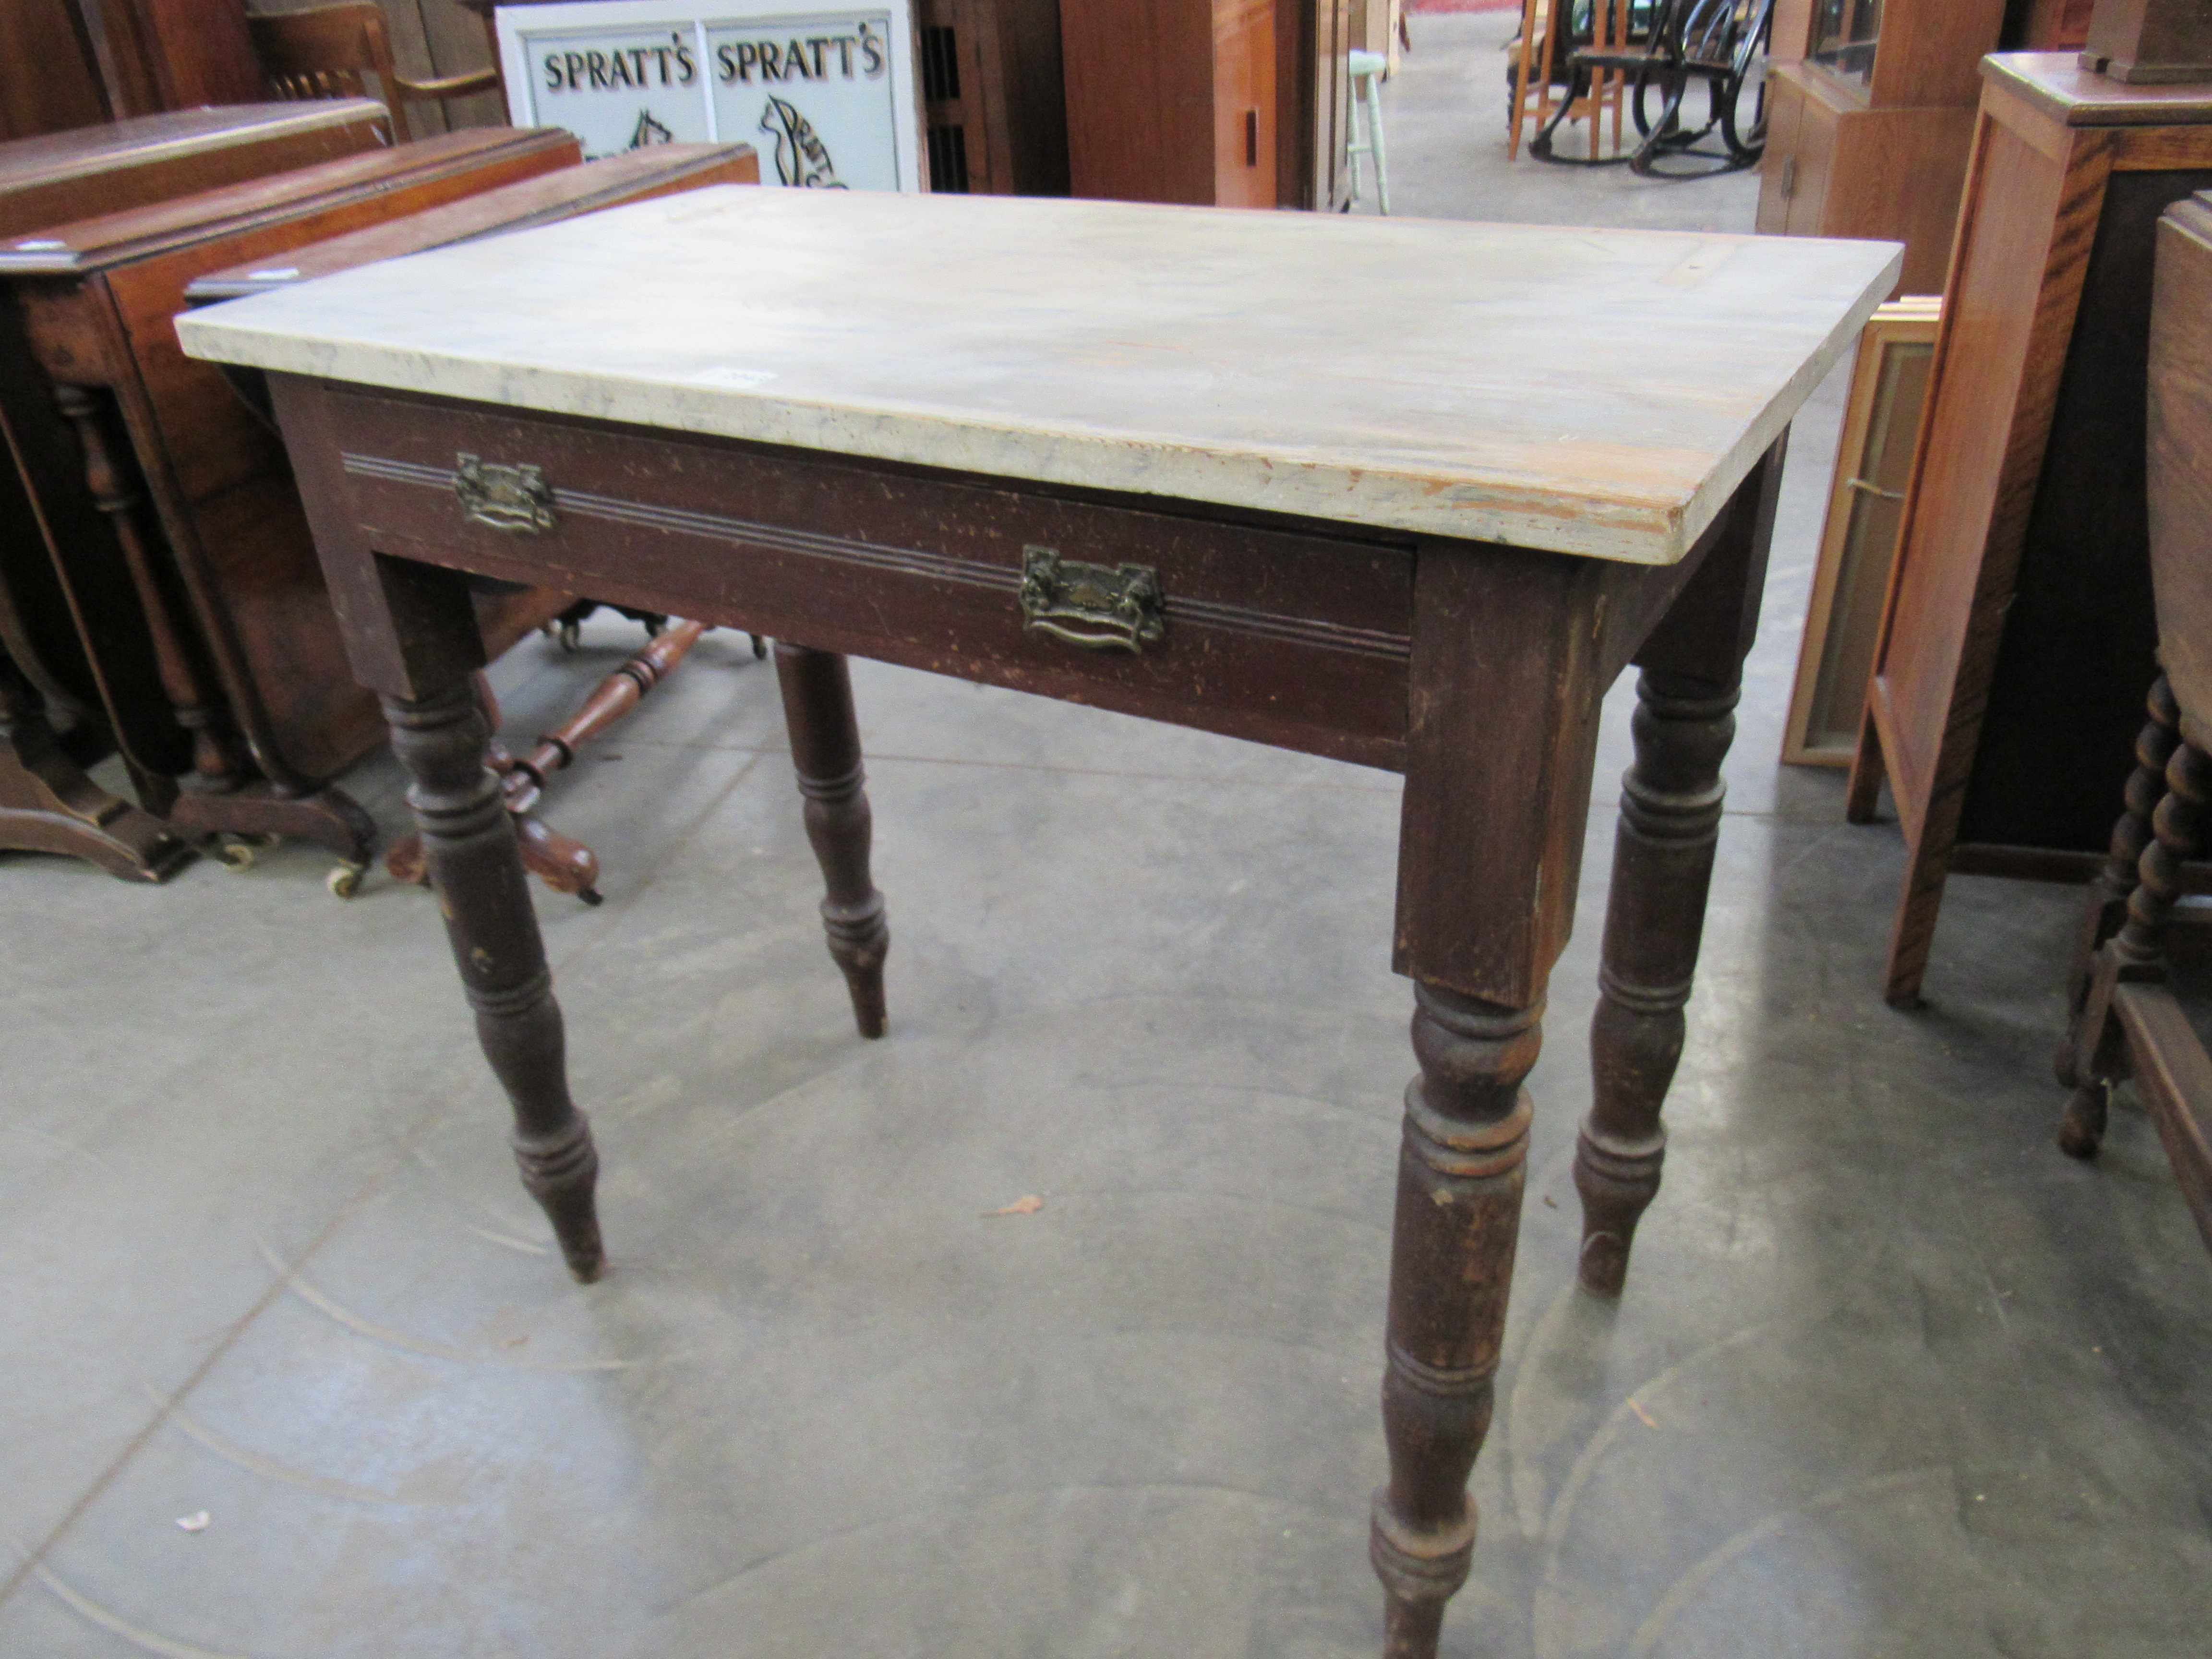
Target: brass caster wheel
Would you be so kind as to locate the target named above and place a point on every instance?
(591, 895)
(344, 879)
(240, 851)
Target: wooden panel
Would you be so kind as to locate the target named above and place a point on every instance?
(1858, 543)
(1313, 631)
(49, 79)
(1835, 167)
(1299, 149)
(1810, 169)
(1778, 184)
(1245, 103)
(2023, 249)
(635, 175)
(1327, 73)
(2047, 25)
(1898, 176)
(1931, 50)
(111, 169)
(994, 97)
(225, 489)
(2179, 485)
(2064, 698)
(1139, 80)
(1032, 87)
(2056, 83)
(198, 49)
(76, 629)
(211, 441)
(2174, 1077)
(1791, 37)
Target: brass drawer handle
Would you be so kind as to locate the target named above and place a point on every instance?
(1098, 607)
(516, 500)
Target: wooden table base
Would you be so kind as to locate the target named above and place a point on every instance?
(47, 804)
(1498, 747)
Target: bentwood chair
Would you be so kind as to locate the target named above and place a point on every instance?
(2127, 1020)
(331, 51)
(1659, 50)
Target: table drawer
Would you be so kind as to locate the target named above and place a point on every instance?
(1287, 637)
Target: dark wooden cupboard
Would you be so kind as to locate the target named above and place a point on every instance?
(1173, 100)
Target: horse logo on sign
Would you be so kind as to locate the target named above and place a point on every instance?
(801, 157)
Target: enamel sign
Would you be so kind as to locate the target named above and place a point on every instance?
(827, 97)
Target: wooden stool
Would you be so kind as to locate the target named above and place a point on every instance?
(2126, 1020)
(1367, 69)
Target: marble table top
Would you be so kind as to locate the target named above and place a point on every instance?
(1590, 391)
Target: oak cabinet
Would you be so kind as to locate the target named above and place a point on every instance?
(2018, 632)
(1871, 115)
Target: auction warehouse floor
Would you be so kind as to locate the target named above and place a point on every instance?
(1892, 1376)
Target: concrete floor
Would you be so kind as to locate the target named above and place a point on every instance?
(1892, 1377)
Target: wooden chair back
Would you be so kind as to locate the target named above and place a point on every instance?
(2180, 459)
(330, 51)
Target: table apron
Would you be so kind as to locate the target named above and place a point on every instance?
(1286, 637)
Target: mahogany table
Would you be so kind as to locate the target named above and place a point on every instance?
(1147, 459)
(143, 465)
(83, 655)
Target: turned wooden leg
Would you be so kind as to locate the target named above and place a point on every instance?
(825, 749)
(2108, 894)
(485, 896)
(1461, 1169)
(2138, 951)
(1663, 867)
(217, 764)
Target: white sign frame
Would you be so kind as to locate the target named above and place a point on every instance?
(521, 25)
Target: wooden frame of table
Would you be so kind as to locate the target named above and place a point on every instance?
(1474, 667)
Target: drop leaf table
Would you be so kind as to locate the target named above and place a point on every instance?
(1149, 458)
